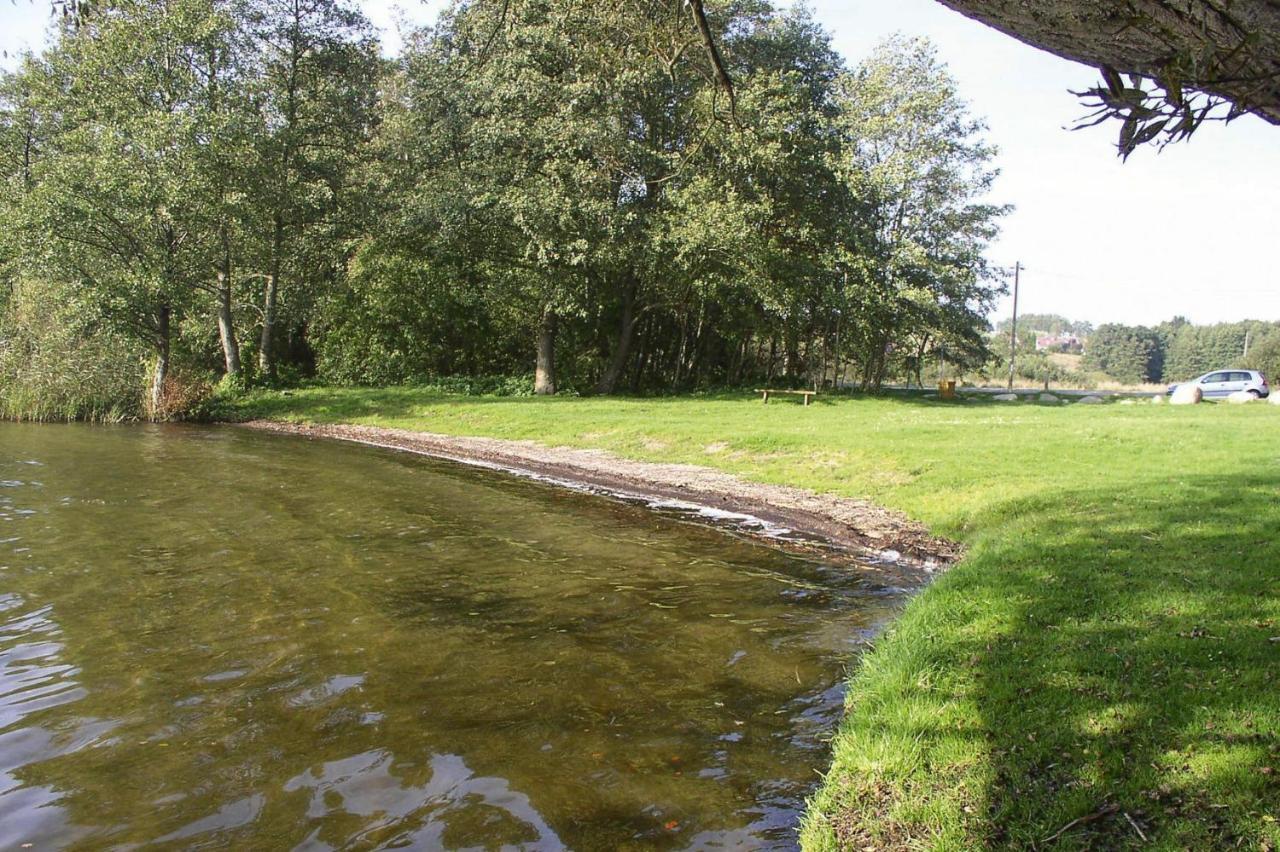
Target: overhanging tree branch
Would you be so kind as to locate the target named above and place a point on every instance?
(723, 80)
(1187, 61)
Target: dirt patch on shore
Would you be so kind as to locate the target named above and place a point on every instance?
(866, 529)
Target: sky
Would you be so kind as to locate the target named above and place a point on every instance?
(1187, 231)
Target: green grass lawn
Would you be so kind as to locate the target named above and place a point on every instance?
(1104, 653)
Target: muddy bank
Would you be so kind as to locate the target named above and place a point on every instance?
(793, 517)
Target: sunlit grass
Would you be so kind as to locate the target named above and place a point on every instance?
(1104, 651)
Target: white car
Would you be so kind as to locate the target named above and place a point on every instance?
(1222, 383)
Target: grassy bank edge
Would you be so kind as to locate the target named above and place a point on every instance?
(943, 746)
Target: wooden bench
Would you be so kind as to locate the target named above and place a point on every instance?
(804, 393)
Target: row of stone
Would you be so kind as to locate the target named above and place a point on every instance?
(1048, 397)
(1183, 395)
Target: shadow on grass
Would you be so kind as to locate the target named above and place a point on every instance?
(1102, 671)
(339, 403)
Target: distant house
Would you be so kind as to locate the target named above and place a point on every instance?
(1059, 343)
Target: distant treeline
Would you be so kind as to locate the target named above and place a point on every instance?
(247, 191)
(1175, 351)
(1047, 323)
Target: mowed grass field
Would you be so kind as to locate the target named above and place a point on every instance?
(1102, 670)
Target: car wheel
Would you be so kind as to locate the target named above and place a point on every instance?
(1255, 394)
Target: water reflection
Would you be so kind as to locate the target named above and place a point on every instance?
(447, 807)
(33, 681)
(248, 641)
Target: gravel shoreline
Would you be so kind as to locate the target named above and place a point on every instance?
(870, 533)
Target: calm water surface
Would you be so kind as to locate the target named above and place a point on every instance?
(212, 638)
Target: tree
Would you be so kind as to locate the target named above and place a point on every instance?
(224, 66)
(1129, 354)
(117, 197)
(1265, 356)
(1048, 324)
(315, 89)
(574, 140)
(183, 156)
(573, 175)
(1192, 350)
(919, 170)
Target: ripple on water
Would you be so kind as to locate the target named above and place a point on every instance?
(34, 680)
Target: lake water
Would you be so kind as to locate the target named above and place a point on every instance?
(217, 638)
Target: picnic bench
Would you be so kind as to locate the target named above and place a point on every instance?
(807, 394)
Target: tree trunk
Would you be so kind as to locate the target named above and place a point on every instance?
(28, 147)
(684, 340)
(656, 361)
(226, 321)
(544, 382)
(626, 333)
(740, 361)
(1229, 48)
(641, 359)
(792, 363)
(696, 360)
(881, 366)
(836, 370)
(161, 371)
(924, 344)
(266, 354)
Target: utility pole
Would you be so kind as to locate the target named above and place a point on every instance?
(1013, 332)
(1247, 332)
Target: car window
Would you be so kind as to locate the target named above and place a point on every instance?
(1214, 377)
(1241, 377)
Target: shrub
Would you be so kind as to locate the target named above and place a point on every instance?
(55, 366)
(480, 385)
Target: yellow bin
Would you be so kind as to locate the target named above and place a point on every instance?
(947, 389)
